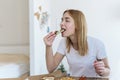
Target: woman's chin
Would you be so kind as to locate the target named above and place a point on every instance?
(63, 35)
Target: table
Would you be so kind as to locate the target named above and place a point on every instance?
(39, 77)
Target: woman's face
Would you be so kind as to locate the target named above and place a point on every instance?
(68, 25)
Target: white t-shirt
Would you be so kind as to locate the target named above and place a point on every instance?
(83, 65)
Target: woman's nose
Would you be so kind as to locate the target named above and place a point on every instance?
(62, 23)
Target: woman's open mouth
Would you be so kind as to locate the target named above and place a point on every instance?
(62, 30)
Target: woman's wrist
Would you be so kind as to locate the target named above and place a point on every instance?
(47, 46)
(106, 72)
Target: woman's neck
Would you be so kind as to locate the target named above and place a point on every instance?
(74, 42)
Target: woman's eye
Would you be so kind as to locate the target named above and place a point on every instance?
(67, 21)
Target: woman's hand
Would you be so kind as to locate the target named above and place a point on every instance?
(48, 39)
(99, 67)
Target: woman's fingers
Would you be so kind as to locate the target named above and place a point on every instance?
(50, 34)
(99, 67)
(51, 37)
(99, 64)
(48, 39)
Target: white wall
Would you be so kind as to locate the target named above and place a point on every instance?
(14, 28)
(37, 48)
(103, 18)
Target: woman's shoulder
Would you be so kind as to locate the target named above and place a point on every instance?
(94, 40)
(62, 42)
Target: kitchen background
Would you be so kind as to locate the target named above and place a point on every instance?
(14, 26)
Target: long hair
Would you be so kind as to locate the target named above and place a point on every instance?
(80, 31)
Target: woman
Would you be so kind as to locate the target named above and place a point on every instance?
(86, 56)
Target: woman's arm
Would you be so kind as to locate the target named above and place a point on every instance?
(52, 61)
(107, 68)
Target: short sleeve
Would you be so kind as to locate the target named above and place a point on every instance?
(62, 47)
(101, 52)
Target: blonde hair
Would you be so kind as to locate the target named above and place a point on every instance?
(80, 31)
